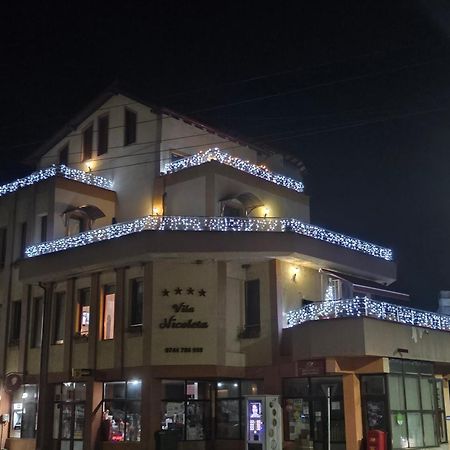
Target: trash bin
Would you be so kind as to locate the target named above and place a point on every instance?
(167, 439)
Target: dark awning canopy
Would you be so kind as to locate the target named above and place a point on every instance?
(247, 200)
(92, 212)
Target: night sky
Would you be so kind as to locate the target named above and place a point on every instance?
(360, 91)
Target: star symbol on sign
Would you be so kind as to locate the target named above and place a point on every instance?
(202, 293)
(165, 292)
(190, 291)
(178, 291)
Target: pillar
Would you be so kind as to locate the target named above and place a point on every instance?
(352, 411)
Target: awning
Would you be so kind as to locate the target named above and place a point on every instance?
(248, 200)
(90, 211)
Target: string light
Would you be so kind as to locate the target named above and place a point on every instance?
(53, 171)
(365, 307)
(224, 158)
(178, 223)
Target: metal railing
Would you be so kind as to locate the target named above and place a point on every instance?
(365, 307)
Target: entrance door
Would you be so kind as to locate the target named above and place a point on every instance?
(68, 425)
(319, 414)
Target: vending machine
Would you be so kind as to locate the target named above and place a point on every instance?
(264, 424)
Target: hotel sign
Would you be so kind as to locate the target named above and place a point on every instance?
(311, 367)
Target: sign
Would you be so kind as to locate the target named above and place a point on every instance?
(312, 367)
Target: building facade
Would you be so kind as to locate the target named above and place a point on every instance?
(154, 272)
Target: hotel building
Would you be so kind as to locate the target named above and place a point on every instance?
(154, 272)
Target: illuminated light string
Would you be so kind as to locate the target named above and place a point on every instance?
(215, 154)
(365, 307)
(53, 171)
(224, 224)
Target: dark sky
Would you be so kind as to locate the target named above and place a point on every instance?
(359, 90)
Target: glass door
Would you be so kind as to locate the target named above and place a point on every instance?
(68, 425)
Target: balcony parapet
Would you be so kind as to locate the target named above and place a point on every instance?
(214, 154)
(208, 224)
(53, 171)
(365, 307)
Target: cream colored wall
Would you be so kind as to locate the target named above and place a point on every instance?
(105, 349)
(133, 342)
(234, 310)
(191, 140)
(55, 360)
(258, 351)
(80, 354)
(187, 198)
(65, 198)
(170, 275)
(12, 360)
(307, 285)
(278, 206)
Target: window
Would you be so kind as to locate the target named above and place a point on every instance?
(136, 303)
(69, 415)
(43, 230)
(252, 326)
(103, 131)
(64, 155)
(414, 405)
(88, 138)
(188, 407)
(84, 300)
(2, 246)
(130, 127)
(58, 317)
(23, 239)
(109, 301)
(122, 411)
(14, 331)
(24, 412)
(37, 322)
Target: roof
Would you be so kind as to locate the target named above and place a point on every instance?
(117, 89)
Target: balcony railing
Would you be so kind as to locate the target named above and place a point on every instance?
(208, 224)
(54, 171)
(365, 307)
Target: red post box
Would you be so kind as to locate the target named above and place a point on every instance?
(376, 440)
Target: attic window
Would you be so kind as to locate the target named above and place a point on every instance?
(130, 127)
(81, 218)
(240, 205)
(64, 155)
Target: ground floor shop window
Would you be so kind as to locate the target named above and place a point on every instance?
(69, 416)
(24, 412)
(306, 411)
(416, 407)
(122, 411)
(202, 410)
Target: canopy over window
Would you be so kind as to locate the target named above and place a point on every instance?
(245, 201)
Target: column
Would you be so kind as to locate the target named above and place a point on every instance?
(352, 411)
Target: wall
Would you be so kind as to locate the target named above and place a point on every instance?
(201, 278)
(307, 284)
(278, 205)
(257, 351)
(187, 198)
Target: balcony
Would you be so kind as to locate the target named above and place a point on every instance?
(361, 327)
(210, 224)
(365, 307)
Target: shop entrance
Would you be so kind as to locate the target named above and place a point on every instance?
(307, 404)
